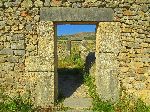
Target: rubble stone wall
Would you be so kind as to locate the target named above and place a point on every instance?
(83, 48)
(23, 40)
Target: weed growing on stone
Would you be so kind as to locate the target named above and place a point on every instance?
(15, 104)
(125, 104)
(98, 105)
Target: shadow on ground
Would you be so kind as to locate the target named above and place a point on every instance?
(69, 79)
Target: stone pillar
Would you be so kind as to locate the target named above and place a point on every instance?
(107, 65)
(40, 68)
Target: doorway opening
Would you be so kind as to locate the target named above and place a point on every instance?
(76, 44)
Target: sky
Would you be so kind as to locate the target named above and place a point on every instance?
(68, 29)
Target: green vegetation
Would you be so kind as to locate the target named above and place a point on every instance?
(92, 37)
(98, 105)
(125, 104)
(75, 65)
(72, 61)
(15, 104)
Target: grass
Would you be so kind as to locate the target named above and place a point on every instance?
(125, 104)
(72, 61)
(16, 104)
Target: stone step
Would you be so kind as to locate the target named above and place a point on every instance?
(78, 103)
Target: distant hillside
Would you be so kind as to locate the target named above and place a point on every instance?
(79, 36)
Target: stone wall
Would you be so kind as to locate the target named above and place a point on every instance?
(21, 44)
(83, 48)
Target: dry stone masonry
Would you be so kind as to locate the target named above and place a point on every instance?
(65, 48)
(28, 52)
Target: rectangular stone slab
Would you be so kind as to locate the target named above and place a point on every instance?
(76, 14)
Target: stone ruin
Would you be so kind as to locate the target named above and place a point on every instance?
(28, 50)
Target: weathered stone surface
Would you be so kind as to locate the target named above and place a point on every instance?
(18, 45)
(38, 3)
(8, 4)
(76, 5)
(36, 63)
(79, 103)
(44, 84)
(26, 3)
(107, 66)
(108, 38)
(37, 18)
(3, 58)
(16, 37)
(107, 60)
(19, 52)
(139, 85)
(47, 3)
(6, 51)
(129, 60)
(76, 14)
(13, 59)
(107, 84)
(2, 24)
(7, 66)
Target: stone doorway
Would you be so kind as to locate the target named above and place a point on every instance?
(43, 65)
(76, 55)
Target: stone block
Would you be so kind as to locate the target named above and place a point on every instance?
(107, 84)
(38, 3)
(76, 14)
(3, 58)
(19, 67)
(128, 13)
(78, 102)
(7, 66)
(135, 65)
(31, 47)
(16, 37)
(19, 52)
(36, 63)
(139, 85)
(6, 51)
(47, 3)
(144, 44)
(41, 95)
(140, 77)
(13, 59)
(106, 60)
(124, 69)
(27, 4)
(56, 2)
(108, 37)
(2, 24)
(18, 45)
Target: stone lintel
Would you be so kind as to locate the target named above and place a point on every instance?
(76, 14)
